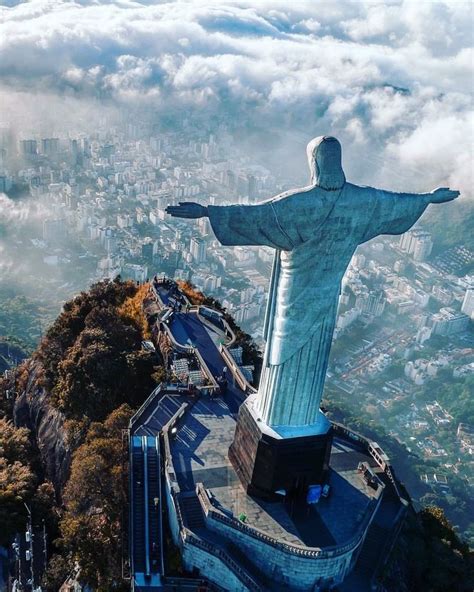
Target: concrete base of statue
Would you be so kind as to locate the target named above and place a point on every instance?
(271, 462)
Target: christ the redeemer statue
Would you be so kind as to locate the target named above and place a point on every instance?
(315, 231)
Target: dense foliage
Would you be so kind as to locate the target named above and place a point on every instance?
(20, 319)
(454, 394)
(95, 498)
(429, 556)
(91, 354)
(460, 214)
(17, 480)
(92, 368)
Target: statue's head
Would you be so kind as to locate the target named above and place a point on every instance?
(324, 158)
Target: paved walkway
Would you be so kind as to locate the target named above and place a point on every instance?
(188, 329)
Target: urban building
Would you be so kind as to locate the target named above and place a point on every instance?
(417, 243)
(54, 230)
(448, 321)
(468, 303)
(29, 148)
(50, 147)
(198, 250)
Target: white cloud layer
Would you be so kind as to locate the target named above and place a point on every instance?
(393, 80)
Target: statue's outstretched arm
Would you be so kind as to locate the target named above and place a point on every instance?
(238, 224)
(439, 195)
(395, 213)
(187, 209)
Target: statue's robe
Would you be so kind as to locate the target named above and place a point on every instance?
(315, 233)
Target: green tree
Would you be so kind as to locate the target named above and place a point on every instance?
(16, 487)
(58, 569)
(14, 442)
(94, 498)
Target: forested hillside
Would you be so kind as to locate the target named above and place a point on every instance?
(78, 390)
(460, 215)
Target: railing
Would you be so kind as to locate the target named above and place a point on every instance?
(383, 463)
(154, 394)
(145, 507)
(228, 329)
(243, 383)
(213, 386)
(393, 481)
(292, 549)
(188, 537)
(178, 346)
(207, 320)
(189, 349)
(216, 551)
(165, 431)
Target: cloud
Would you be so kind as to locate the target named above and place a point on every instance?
(393, 79)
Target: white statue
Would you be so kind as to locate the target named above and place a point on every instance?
(315, 231)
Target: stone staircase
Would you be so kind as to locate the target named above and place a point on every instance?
(259, 577)
(192, 511)
(193, 518)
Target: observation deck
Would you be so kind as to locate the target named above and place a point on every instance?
(239, 542)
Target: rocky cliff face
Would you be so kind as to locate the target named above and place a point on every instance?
(33, 411)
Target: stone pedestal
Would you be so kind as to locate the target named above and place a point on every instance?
(267, 463)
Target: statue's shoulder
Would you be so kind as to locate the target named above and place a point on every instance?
(351, 188)
(351, 191)
(298, 196)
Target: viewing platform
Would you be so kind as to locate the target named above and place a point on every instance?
(240, 542)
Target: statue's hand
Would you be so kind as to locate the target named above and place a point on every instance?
(443, 194)
(187, 209)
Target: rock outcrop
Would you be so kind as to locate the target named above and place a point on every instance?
(33, 410)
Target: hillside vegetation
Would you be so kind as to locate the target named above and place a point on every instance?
(460, 214)
(91, 355)
(93, 371)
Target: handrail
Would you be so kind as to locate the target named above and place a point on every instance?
(144, 405)
(189, 349)
(131, 523)
(160, 513)
(145, 495)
